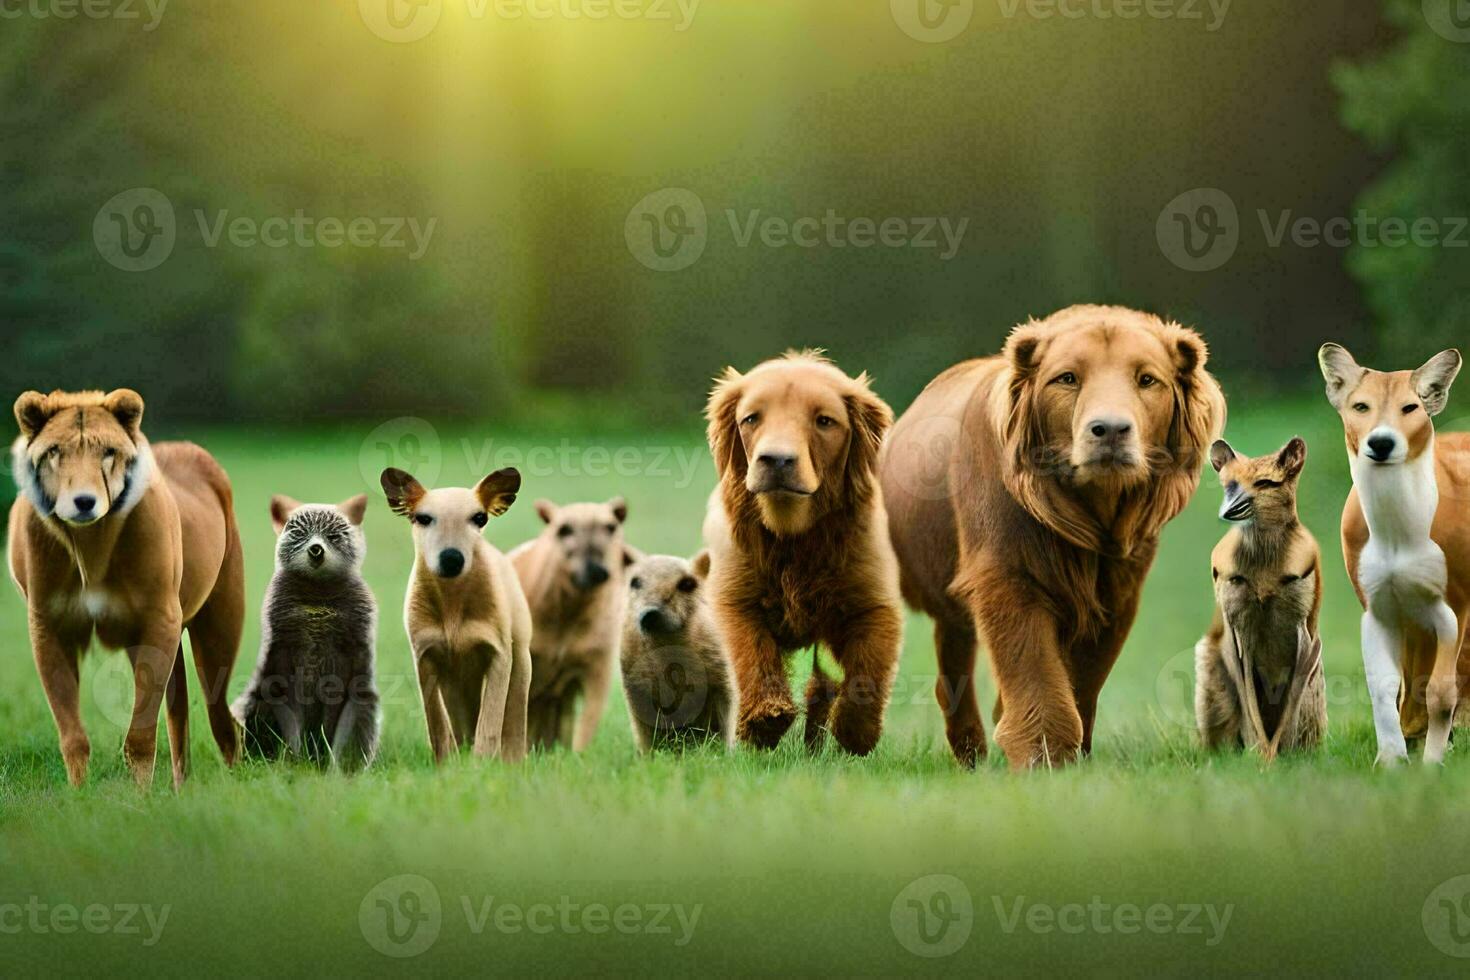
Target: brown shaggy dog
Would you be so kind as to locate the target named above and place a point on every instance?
(132, 543)
(800, 545)
(1026, 493)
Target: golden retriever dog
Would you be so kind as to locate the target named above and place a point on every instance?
(572, 573)
(800, 548)
(1026, 494)
(134, 544)
(466, 617)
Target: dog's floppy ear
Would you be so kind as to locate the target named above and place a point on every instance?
(1432, 381)
(700, 564)
(498, 490)
(126, 405)
(1024, 348)
(1293, 457)
(353, 508)
(1199, 407)
(619, 508)
(32, 413)
(1340, 371)
(402, 490)
(870, 418)
(545, 510)
(1220, 454)
(282, 507)
(724, 433)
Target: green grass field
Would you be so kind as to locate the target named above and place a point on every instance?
(748, 863)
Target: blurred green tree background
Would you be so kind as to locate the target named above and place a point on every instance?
(526, 141)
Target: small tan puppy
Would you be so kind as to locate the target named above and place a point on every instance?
(1259, 669)
(573, 576)
(677, 681)
(467, 619)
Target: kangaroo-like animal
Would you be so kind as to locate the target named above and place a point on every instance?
(1408, 557)
(1258, 672)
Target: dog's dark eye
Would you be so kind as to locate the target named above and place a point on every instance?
(109, 453)
(1360, 407)
(636, 583)
(750, 419)
(565, 531)
(422, 520)
(1237, 580)
(1147, 381)
(1065, 378)
(611, 529)
(825, 421)
(1266, 484)
(1409, 409)
(480, 519)
(688, 583)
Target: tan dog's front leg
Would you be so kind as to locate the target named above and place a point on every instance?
(766, 709)
(57, 667)
(491, 722)
(441, 738)
(515, 741)
(153, 661)
(596, 684)
(1041, 724)
(1444, 684)
(867, 650)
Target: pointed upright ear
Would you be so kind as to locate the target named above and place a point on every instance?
(402, 490)
(126, 405)
(700, 564)
(32, 414)
(724, 430)
(1432, 381)
(631, 556)
(1293, 457)
(498, 490)
(282, 507)
(870, 418)
(353, 508)
(545, 510)
(619, 508)
(1221, 454)
(1340, 371)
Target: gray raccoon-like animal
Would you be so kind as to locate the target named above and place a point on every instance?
(313, 693)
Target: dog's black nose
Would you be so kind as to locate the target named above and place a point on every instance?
(777, 461)
(653, 621)
(1109, 428)
(316, 553)
(451, 562)
(596, 573)
(1381, 447)
(84, 503)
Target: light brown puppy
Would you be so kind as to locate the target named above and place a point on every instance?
(1258, 671)
(1026, 494)
(133, 543)
(799, 539)
(467, 619)
(675, 676)
(573, 576)
(1406, 542)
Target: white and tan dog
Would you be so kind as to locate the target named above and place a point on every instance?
(1408, 557)
(467, 618)
(134, 544)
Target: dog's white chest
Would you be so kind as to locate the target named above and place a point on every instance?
(1403, 582)
(90, 603)
(1401, 570)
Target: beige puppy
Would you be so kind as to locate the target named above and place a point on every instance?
(573, 576)
(467, 619)
(675, 675)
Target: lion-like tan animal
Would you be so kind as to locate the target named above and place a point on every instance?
(1026, 494)
(133, 543)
